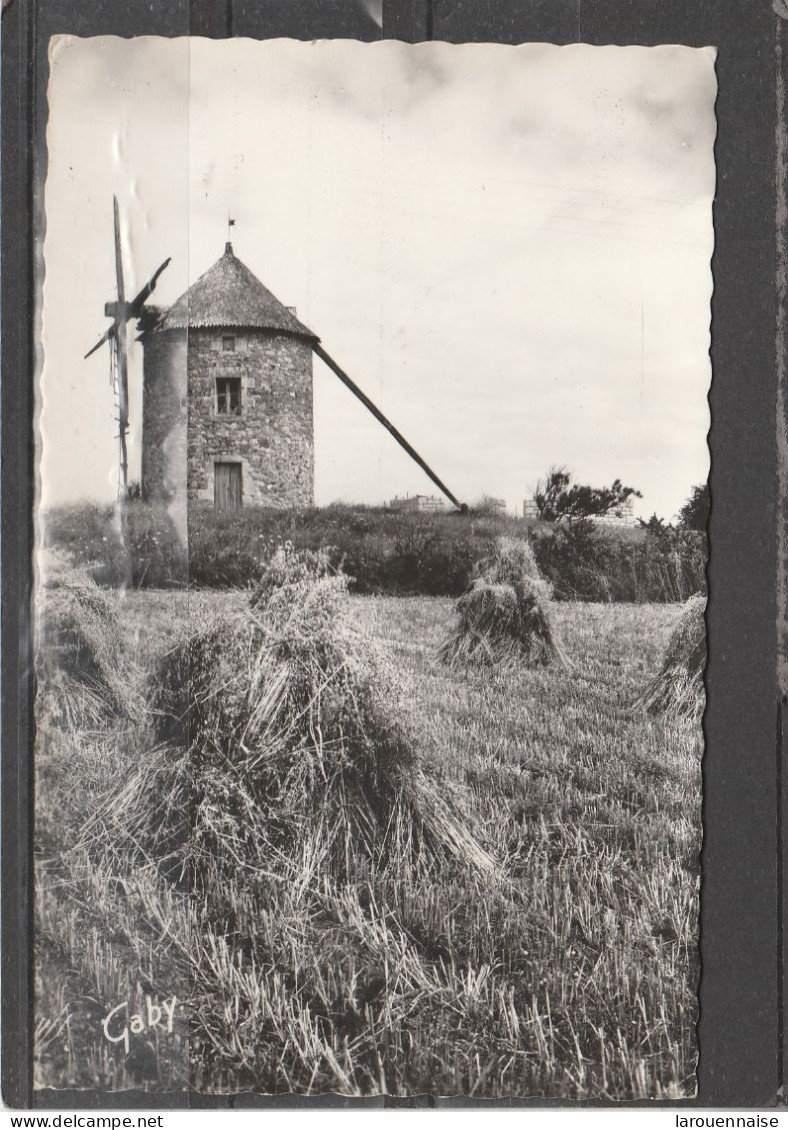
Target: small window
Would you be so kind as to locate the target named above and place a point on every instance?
(228, 396)
(228, 344)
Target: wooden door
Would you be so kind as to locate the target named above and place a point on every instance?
(226, 485)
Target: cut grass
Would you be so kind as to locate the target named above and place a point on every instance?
(573, 976)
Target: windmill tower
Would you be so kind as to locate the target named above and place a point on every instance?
(228, 395)
(227, 391)
(122, 312)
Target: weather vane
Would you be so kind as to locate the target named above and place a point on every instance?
(230, 224)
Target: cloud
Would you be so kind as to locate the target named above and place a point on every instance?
(477, 232)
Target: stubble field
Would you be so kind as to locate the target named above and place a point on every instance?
(571, 971)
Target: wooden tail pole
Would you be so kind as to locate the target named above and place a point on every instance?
(386, 423)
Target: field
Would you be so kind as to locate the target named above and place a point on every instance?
(570, 971)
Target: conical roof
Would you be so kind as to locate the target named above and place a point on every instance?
(229, 295)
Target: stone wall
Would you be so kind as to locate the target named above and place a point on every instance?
(272, 438)
(164, 416)
(623, 516)
(417, 502)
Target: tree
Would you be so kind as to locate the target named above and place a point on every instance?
(557, 498)
(694, 514)
(654, 525)
(489, 506)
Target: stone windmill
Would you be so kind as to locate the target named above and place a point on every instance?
(227, 415)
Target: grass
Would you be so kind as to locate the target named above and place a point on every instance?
(384, 551)
(571, 972)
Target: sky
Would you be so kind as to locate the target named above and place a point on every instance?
(507, 247)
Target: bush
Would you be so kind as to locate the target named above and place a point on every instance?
(135, 546)
(381, 551)
(584, 563)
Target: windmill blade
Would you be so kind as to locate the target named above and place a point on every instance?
(108, 336)
(137, 303)
(121, 311)
(120, 345)
(387, 424)
(118, 256)
(133, 310)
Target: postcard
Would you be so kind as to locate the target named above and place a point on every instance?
(371, 511)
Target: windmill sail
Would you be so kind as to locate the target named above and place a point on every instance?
(136, 304)
(122, 354)
(108, 336)
(134, 308)
(121, 311)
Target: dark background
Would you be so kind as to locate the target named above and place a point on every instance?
(741, 1045)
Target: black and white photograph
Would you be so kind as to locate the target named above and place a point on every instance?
(371, 507)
